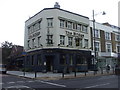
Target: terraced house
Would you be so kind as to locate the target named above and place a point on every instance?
(107, 44)
(56, 39)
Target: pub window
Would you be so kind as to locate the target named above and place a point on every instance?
(49, 39)
(32, 61)
(62, 59)
(84, 29)
(70, 40)
(86, 43)
(62, 23)
(78, 59)
(28, 44)
(62, 40)
(74, 26)
(69, 25)
(77, 41)
(50, 22)
(78, 27)
(71, 59)
(39, 61)
(39, 41)
(33, 43)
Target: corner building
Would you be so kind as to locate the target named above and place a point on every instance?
(56, 39)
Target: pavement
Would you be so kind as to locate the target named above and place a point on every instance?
(57, 76)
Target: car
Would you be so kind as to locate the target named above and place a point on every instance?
(3, 69)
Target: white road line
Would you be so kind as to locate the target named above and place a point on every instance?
(18, 86)
(53, 84)
(20, 82)
(97, 85)
(29, 81)
(1, 83)
(10, 82)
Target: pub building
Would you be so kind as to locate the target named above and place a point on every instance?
(56, 39)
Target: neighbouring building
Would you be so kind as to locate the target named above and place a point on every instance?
(56, 39)
(16, 58)
(107, 43)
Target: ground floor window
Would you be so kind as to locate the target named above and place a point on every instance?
(71, 59)
(39, 61)
(62, 59)
(81, 59)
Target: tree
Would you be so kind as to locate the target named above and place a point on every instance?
(6, 50)
(7, 44)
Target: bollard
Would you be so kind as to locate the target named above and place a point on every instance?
(35, 74)
(85, 73)
(75, 73)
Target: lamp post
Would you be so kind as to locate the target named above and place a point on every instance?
(103, 13)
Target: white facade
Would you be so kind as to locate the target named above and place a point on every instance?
(57, 28)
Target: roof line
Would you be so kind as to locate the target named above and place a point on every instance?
(58, 9)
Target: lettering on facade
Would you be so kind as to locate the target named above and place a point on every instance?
(34, 35)
(74, 34)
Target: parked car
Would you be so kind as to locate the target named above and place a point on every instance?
(3, 69)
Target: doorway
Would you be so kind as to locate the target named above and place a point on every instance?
(49, 63)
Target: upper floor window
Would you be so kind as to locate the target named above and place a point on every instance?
(49, 39)
(50, 22)
(86, 43)
(108, 47)
(118, 37)
(118, 49)
(84, 29)
(70, 40)
(62, 40)
(96, 33)
(62, 23)
(69, 25)
(97, 46)
(28, 43)
(39, 41)
(34, 27)
(33, 43)
(107, 36)
(78, 27)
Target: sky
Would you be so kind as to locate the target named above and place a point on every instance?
(14, 13)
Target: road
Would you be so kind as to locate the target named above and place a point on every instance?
(110, 81)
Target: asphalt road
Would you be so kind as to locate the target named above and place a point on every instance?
(110, 81)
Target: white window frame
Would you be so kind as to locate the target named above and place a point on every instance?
(49, 22)
(86, 43)
(62, 40)
(70, 41)
(97, 46)
(108, 48)
(107, 35)
(84, 29)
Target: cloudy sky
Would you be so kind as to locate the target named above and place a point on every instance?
(14, 13)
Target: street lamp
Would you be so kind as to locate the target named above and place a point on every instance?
(103, 13)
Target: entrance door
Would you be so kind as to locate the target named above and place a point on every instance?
(49, 63)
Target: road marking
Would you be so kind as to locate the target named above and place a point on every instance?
(97, 85)
(20, 82)
(53, 84)
(18, 86)
(10, 82)
(30, 81)
(1, 83)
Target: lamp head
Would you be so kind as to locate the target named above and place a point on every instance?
(103, 13)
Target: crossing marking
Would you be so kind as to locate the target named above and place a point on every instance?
(10, 82)
(53, 84)
(97, 85)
